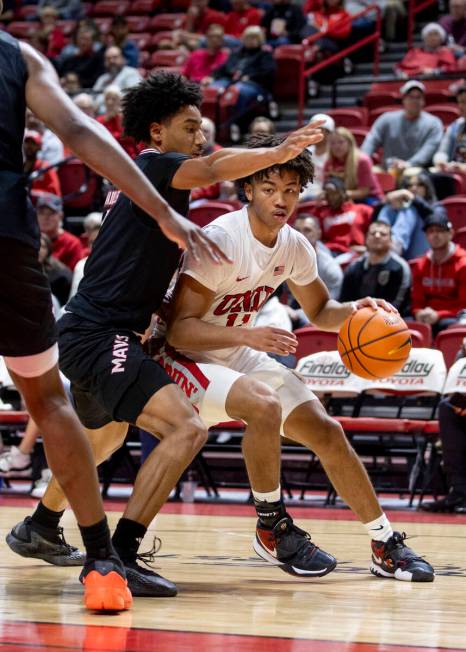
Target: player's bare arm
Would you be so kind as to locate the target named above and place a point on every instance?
(187, 330)
(328, 314)
(233, 163)
(94, 144)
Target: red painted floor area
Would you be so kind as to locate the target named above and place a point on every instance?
(19, 637)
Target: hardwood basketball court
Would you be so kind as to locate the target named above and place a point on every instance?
(229, 599)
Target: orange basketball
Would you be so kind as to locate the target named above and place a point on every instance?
(374, 343)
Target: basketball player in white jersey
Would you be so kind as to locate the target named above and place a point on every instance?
(224, 357)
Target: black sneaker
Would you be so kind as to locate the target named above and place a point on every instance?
(394, 559)
(145, 582)
(105, 585)
(291, 548)
(453, 502)
(50, 545)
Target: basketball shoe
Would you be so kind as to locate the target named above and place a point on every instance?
(145, 582)
(49, 544)
(291, 548)
(105, 585)
(393, 558)
(15, 463)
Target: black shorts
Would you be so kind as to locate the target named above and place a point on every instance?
(27, 324)
(111, 377)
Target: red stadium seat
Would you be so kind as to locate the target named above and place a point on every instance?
(424, 329)
(28, 11)
(447, 113)
(141, 39)
(449, 343)
(456, 208)
(288, 59)
(349, 117)
(209, 107)
(110, 8)
(144, 60)
(202, 215)
(67, 26)
(21, 29)
(460, 237)
(168, 58)
(167, 21)
(376, 113)
(439, 96)
(313, 340)
(376, 99)
(138, 23)
(387, 181)
(143, 7)
(157, 37)
(78, 185)
(359, 134)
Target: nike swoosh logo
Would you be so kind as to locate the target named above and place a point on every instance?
(241, 278)
(377, 528)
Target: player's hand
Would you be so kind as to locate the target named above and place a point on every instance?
(370, 302)
(271, 340)
(190, 237)
(298, 140)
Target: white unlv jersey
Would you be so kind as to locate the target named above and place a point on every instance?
(242, 288)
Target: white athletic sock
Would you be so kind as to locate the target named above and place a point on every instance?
(270, 497)
(380, 529)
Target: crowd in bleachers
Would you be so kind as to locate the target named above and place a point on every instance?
(385, 210)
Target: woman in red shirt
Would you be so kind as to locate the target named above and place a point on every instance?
(328, 16)
(348, 162)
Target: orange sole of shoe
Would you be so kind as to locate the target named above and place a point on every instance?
(106, 592)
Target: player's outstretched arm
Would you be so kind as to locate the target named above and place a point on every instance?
(94, 144)
(188, 331)
(233, 163)
(326, 313)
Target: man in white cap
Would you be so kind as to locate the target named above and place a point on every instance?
(319, 157)
(409, 137)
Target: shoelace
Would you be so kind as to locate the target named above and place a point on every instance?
(399, 544)
(296, 530)
(63, 542)
(148, 557)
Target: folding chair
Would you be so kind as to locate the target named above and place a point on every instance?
(313, 340)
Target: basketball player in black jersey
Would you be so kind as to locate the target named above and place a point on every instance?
(126, 277)
(27, 328)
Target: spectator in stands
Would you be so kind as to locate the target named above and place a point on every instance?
(283, 23)
(88, 62)
(251, 70)
(242, 15)
(201, 64)
(451, 155)
(379, 272)
(118, 36)
(66, 247)
(439, 277)
(92, 225)
(261, 125)
(409, 137)
(70, 83)
(117, 74)
(329, 270)
(112, 120)
(40, 177)
(85, 102)
(72, 48)
(452, 433)
(67, 9)
(432, 58)
(319, 157)
(212, 191)
(58, 274)
(9, 8)
(200, 17)
(52, 149)
(330, 17)
(49, 26)
(344, 223)
(346, 160)
(405, 210)
(455, 24)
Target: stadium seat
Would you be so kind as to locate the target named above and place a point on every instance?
(209, 107)
(138, 23)
(140, 39)
(446, 112)
(424, 329)
(67, 26)
(456, 208)
(205, 213)
(460, 237)
(21, 29)
(313, 340)
(28, 11)
(376, 99)
(144, 60)
(78, 184)
(157, 37)
(110, 8)
(449, 343)
(387, 181)
(359, 134)
(104, 23)
(306, 207)
(289, 60)
(167, 21)
(143, 7)
(167, 58)
(348, 118)
(439, 96)
(376, 113)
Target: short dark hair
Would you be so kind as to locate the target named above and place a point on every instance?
(302, 164)
(157, 99)
(380, 223)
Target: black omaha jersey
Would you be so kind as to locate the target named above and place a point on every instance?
(132, 262)
(17, 216)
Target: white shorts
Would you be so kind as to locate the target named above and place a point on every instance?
(207, 385)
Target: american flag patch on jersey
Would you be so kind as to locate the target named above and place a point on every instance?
(278, 271)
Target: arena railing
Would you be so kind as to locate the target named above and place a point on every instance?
(415, 7)
(374, 38)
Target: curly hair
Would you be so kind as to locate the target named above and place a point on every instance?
(157, 99)
(302, 164)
